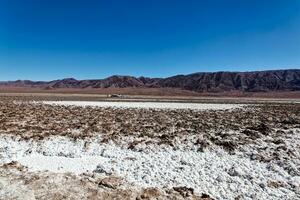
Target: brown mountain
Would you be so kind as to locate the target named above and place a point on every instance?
(274, 80)
(257, 81)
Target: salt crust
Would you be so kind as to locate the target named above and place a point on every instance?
(154, 105)
(214, 171)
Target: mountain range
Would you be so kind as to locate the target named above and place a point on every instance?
(255, 81)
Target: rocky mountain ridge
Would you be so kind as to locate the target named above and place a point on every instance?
(256, 81)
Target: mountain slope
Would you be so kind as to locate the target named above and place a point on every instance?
(273, 80)
(242, 81)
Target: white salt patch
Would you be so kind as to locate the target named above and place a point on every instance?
(38, 162)
(156, 105)
(215, 172)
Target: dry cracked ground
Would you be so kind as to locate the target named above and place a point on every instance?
(75, 152)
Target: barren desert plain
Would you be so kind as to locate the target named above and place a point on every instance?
(64, 146)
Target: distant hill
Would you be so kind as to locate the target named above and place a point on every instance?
(257, 81)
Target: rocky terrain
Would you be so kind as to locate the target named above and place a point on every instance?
(70, 150)
(274, 80)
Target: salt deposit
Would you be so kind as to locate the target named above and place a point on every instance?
(156, 105)
(214, 171)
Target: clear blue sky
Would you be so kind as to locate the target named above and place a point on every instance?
(53, 39)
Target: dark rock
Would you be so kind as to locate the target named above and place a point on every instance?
(262, 128)
(227, 145)
(205, 196)
(184, 191)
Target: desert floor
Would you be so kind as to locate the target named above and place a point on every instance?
(92, 147)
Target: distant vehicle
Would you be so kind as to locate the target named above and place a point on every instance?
(115, 96)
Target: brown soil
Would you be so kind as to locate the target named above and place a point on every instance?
(19, 184)
(149, 92)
